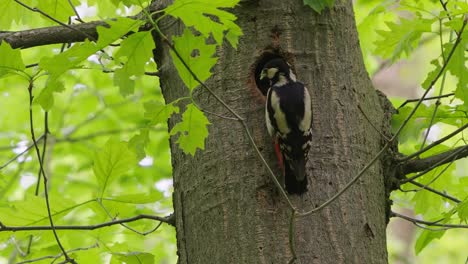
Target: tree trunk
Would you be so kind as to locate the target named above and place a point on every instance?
(227, 208)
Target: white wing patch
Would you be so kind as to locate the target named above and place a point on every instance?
(307, 120)
(279, 116)
(271, 129)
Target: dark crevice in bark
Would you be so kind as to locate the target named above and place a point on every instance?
(390, 166)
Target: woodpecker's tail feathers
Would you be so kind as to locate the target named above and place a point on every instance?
(295, 176)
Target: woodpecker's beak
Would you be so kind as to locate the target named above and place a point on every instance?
(263, 74)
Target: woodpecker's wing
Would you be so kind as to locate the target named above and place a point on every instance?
(289, 118)
(269, 116)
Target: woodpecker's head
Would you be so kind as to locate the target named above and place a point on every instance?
(278, 72)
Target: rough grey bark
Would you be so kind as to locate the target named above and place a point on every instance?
(227, 208)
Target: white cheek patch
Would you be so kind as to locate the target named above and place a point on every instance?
(271, 72)
(307, 120)
(280, 117)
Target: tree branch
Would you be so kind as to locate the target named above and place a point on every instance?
(63, 34)
(51, 35)
(426, 223)
(426, 99)
(435, 143)
(170, 220)
(439, 159)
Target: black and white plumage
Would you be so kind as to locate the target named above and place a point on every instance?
(289, 119)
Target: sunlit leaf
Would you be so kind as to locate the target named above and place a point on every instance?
(10, 59)
(10, 12)
(111, 162)
(46, 97)
(72, 57)
(135, 258)
(462, 210)
(60, 10)
(402, 37)
(135, 51)
(425, 238)
(208, 17)
(192, 130)
(421, 120)
(159, 112)
(139, 142)
(457, 67)
(137, 198)
(196, 54)
(33, 211)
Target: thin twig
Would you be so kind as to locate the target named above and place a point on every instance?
(78, 18)
(145, 73)
(44, 147)
(292, 245)
(46, 193)
(439, 174)
(170, 220)
(99, 201)
(435, 143)
(59, 255)
(372, 124)
(427, 223)
(435, 191)
(349, 184)
(437, 103)
(37, 10)
(426, 99)
(21, 153)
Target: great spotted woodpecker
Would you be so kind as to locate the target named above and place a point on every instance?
(288, 118)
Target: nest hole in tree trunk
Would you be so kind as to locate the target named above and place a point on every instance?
(266, 56)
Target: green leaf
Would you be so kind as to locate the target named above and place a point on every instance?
(130, 3)
(457, 67)
(118, 28)
(10, 12)
(421, 120)
(33, 211)
(135, 258)
(46, 97)
(196, 54)
(112, 161)
(136, 51)
(402, 38)
(10, 59)
(431, 75)
(319, 5)
(69, 59)
(60, 10)
(192, 130)
(137, 198)
(159, 112)
(208, 18)
(124, 81)
(425, 238)
(462, 210)
(60, 63)
(139, 142)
